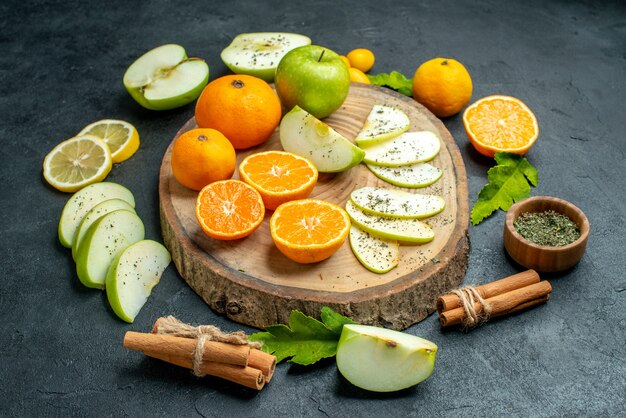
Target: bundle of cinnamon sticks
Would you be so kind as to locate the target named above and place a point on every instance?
(238, 363)
(502, 297)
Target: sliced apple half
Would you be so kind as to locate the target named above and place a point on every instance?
(396, 203)
(305, 135)
(409, 176)
(405, 149)
(378, 255)
(83, 201)
(165, 78)
(410, 231)
(383, 360)
(104, 240)
(93, 215)
(132, 276)
(258, 54)
(383, 123)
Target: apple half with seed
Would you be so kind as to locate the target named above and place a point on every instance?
(383, 360)
(132, 276)
(165, 78)
(305, 135)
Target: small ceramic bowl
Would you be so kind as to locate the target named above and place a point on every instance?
(539, 257)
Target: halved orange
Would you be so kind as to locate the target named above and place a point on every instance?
(500, 124)
(229, 209)
(279, 176)
(309, 230)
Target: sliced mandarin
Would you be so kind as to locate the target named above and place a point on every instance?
(279, 176)
(229, 209)
(500, 124)
(309, 230)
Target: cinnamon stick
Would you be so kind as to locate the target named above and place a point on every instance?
(263, 361)
(516, 281)
(168, 345)
(503, 304)
(242, 375)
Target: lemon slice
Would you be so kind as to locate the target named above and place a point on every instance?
(121, 137)
(76, 163)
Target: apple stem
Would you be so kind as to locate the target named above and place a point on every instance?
(321, 55)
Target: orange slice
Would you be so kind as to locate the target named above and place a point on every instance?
(309, 230)
(500, 124)
(229, 209)
(279, 176)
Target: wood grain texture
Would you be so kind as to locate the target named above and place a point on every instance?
(251, 282)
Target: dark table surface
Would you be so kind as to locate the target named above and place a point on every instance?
(61, 68)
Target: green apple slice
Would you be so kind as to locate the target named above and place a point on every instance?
(305, 135)
(396, 203)
(404, 230)
(383, 360)
(405, 149)
(383, 123)
(93, 215)
(132, 276)
(376, 254)
(258, 54)
(164, 78)
(410, 176)
(104, 240)
(83, 201)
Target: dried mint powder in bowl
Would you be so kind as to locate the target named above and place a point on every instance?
(549, 228)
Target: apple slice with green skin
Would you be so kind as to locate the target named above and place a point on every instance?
(405, 149)
(409, 231)
(305, 135)
(93, 215)
(410, 176)
(396, 203)
(164, 78)
(132, 276)
(104, 240)
(383, 360)
(383, 123)
(258, 54)
(375, 254)
(83, 201)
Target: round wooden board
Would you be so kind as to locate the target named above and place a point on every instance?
(251, 282)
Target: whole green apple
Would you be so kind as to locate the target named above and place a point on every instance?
(314, 78)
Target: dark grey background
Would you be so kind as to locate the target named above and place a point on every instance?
(61, 68)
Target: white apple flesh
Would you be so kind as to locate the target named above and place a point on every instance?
(405, 149)
(309, 137)
(83, 201)
(164, 78)
(410, 176)
(378, 255)
(132, 276)
(383, 123)
(396, 203)
(383, 360)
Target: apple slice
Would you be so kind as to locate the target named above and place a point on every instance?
(376, 254)
(305, 135)
(404, 230)
(410, 176)
(104, 240)
(396, 203)
(258, 54)
(164, 78)
(408, 148)
(83, 201)
(383, 123)
(93, 215)
(132, 276)
(383, 360)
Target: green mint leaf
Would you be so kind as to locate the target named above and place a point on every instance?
(394, 80)
(334, 321)
(509, 181)
(305, 339)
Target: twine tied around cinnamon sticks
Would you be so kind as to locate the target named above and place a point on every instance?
(202, 333)
(472, 306)
(206, 350)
